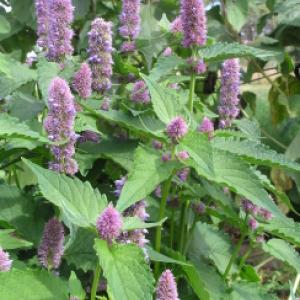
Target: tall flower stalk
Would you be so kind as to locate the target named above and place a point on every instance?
(59, 125)
(100, 54)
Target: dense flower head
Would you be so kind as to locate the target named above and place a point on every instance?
(176, 25)
(130, 19)
(100, 54)
(198, 65)
(51, 248)
(119, 184)
(60, 33)
(5, 262)
(42, 18)
(166, 288)
(128, 47)
(82, 82)
(140, 93)
(109, 224)
(193, 18)
(59, 125)
(230, 90)
(177, 128)
(207, 126)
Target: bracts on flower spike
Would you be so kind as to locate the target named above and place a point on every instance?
(5, 262)
(166, 288)
(82, 82)
(100, 54)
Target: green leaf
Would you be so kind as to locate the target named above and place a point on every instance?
(13, 74)
(12, 127)
(221, 51)
(81, 252)
(255, 153)
(46, 72)
(249, 128)
(75, 287)
(149, 170)
(80, 203)
(8, 240)
(124, 266)
(33, 285)
(214, 245)
(24, 11)
(81, 8)
(4, 25)
(132, 223)
(284, 252)
(166, 102)
(288, 12)
(236, 13)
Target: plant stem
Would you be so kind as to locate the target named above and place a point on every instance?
(172, 226)
(244, 258)
(165, 193)
(295, 286)
(234, 254)
(190, 236)
(191, 95)
(264, 263)
(95, 282)
(182, 225)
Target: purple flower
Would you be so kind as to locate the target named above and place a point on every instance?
(60, 33)
(267, 215)
(176, 25)
(157, 191)
(252, 224)
(140, 93)
(166, 288)
(199, 208)
(177, 128)
(167, 52)
(105, 104)
(198, 65)
(260, 239)
(207, 126)
(183, 155)
(89, 136)
(174, 86)
(119, 184)
(157, 145)
(230, 90)
(194, 25)
(128, 47)
(166, 157)
(183, 174)
(42, 18)
(51, 248)
(5, 262)
(82, 81)
(59, 125)
(109, 224)
(130, 19)
(100, 57)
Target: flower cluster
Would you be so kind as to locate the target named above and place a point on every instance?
(82, 81)
(193, 18)
(140, 93)
(119, 186)
(166, 288)
(130, 23)
(207, 126)
(60, 34)
(100, 54)
(51, 248)
(89, 136)
(177, 128)
(109, 224)
(199, 208)
(5, 262)
(183, 174)
(176, 25)
(230, 90)
(42, 19)
(59, 125)
(198, 65)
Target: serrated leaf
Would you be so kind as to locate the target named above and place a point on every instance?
(124, 266)
(166, 102)
(254, 152)
(80, 203)
(75, 287)
(8, 240)
(250, 128)
(221, 51)
(33, 285)
(12, 127)
(13, 74)
(236, 13)
(149, 170)
(132, 223)
(284, 252)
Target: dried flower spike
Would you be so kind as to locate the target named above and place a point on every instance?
(51, 248)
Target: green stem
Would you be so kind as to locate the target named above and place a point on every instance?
(95, 282)
(190, 236)
(182, 225)
(162, 209)
(245, 257)
(234, 254)
(191, 95)
(172, 226)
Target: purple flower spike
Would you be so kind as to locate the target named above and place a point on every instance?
(207, 126)
(60, 33)
(5, 262)
(252, 224)
(109, 224)
(177, 128)
(194, 25)
(167, 288)
(82, 82)
(59, 125)
(100, 57)
(140, 93)
(230, 90)
(42, 18)
(128, 47)
(51, 248)
(130, 19)
(176, 25)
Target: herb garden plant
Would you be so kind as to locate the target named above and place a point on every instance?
(148, 149)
